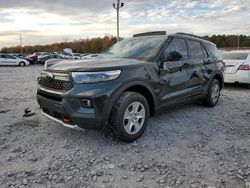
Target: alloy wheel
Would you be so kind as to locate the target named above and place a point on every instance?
(134, 118)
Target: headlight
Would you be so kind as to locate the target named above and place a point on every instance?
(93, 77)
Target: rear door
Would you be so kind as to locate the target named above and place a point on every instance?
(198, 56)
(233, 61)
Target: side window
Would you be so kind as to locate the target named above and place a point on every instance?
(176, 50)
(195, 49)
(213, 51)
(205, 53)
(9, 57)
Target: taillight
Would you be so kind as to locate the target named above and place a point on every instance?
(244, 67)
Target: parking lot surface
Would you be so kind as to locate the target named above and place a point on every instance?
(188, 146)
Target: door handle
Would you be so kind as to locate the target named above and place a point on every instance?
(185, 65)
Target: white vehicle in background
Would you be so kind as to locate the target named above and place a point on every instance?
(237, 64)
(6, 59)
(76, 56)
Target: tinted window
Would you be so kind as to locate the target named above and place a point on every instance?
(176, 47)
(234, 56)
(205, 54)
(213, 51)
(9, 57)
(195, 49)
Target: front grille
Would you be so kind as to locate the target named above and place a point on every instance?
(60, 82)
(55, 84)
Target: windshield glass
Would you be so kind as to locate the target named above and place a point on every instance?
(234, 56)
(141, 48)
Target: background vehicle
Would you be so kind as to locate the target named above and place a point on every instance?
(237, 67)
(34, 57)
(47, 57)
(6, 59)
(76, 56)
(132, 81)
(18, 55)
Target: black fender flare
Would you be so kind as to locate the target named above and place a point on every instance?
(116, 93)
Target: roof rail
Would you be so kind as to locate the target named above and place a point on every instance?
(150, 33)
(192, 35)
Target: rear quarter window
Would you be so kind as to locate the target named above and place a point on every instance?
(213, 51)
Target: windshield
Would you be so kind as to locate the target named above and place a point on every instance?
(141, 48)
(234, 56)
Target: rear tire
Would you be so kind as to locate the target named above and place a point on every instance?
(213, 94)
(22, 64)
(129, 116)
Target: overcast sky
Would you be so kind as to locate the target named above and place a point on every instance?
(49, 21)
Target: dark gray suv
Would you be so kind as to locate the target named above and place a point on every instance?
(133, 80)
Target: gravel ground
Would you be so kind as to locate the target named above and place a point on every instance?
(189, 146)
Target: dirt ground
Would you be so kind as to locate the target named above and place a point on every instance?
(189, 146)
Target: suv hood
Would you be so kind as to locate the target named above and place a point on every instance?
(95, 64)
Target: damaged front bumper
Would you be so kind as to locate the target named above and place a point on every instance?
(62, 123)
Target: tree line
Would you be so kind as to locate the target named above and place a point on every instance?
(97, 45)
(94, 45)
(228, 41)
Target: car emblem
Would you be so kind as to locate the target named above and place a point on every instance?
(49, 76)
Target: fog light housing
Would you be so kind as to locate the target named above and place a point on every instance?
(87, 103)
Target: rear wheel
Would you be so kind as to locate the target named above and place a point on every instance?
(213, 94)
(129, 116)
(22, 64)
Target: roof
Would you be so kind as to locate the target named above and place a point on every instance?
(191, 36)
(164, 33)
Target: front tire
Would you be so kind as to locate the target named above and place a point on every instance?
(213, 94)
(22, 64)
(129, 116)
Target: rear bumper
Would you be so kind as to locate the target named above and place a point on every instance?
(241, 76)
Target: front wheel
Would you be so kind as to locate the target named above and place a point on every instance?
(129, 116)
(22, 64)
(213, 94)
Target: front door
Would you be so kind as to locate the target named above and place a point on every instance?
(173, 76)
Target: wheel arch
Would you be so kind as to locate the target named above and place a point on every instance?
(21, 62)
(220, 78)
(142, 88)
